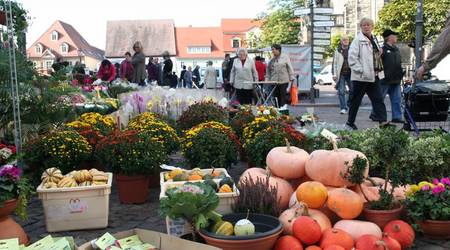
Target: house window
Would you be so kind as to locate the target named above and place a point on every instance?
(70, 63)
(48, 64)
(54, 35)
(38, 48)
(199, 50)
(64, 48)
(236, 43)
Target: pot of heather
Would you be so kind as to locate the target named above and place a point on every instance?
(132, 156)
(427, 204)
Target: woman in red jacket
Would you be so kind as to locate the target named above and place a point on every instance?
(106, 72)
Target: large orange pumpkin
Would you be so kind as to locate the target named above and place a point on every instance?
(306, 230)
(313, 248)
(284, 189)
(357, 228)
(329, 166)
(391, 243)
(401, 231)
(370, 242)
(367, 193)
(335, 236)
(345, 203)
(288, 242)
(334, 247)
(288, 217)
(287, 162)
(313, 193)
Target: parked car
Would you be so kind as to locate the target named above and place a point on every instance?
(325, 77)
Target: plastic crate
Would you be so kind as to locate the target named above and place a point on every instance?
(76, 208)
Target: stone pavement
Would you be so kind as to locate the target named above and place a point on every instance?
(124, 217)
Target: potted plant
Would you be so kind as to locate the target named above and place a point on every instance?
(193, 202)
(14, 194)
(132, 156)
(243, 117)
(427, 204)
(201, 112)
(210, 144)
(389, 145)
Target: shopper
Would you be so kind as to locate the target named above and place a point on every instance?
(196, 76)
(364, 59)
(280, 70)
(260, 68)
(341, 73)
(107, 71)
(183, 71)
(210, 76)
(152, 69)
(138, 62)
(126, 68)
(242, 74)
(187, 78)
(167, 69)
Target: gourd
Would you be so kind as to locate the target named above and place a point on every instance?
(82, 176)
(306, 230)
(212, 184)
(345, 203)
(313, 248)
(50, 185)
(223, 228)
(288, 242)
(226, 180)
(225, 189)
(357, 228)
(51, 175)
(401, 231)
(67, 182)
(313, 193)
(370, 242)
(334, 247)
(288, 217)
(335, 236)
(287, 162)
(195, 177)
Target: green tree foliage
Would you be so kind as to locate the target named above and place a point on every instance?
(399, 15)
(25, 70)
(20, 22)
(279, 23)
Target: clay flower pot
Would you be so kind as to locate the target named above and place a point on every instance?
(268, 229)
(132, 189)
(153, 181)
(382, 217)
(8, 227)
(436, 229)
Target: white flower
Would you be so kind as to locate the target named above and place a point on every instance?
(266, 112)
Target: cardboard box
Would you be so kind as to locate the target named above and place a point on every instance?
(160, 240)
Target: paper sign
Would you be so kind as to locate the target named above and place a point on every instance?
(105, 241)
(129, 242)
(43, 244)
(9, 244)
(329, 135)
(167, 167)
(61, 244)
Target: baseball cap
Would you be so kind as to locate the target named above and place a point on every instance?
(389, 32)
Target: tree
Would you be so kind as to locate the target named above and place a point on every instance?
(20, 23)
(280, 25)
(400, 15)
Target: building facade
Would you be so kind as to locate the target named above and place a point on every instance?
(62, 42)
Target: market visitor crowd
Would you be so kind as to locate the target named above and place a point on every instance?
(359, 67)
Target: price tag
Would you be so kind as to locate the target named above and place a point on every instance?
(130, 241)
(10, 244)
(105, 241)
(329, 135)
(43, 244)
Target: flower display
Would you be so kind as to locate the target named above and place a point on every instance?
(103, 123)
(156, 128)
(429, 200)
(243, 117)
(14, 186)
(201, 112)
(7, 153)
(258, 125)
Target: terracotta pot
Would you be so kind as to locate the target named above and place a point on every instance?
(382, 217)
(153, 181)
(436, 229)
(8, 227)
(268, 229)
(132, 189)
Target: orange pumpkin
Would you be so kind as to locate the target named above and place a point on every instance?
(328, 166)
(284, 189)
(320, 218)
(313, 248)
(345, 203)
(391, 243)
(338, 237)
(370, 242)
(357, 228)
(195, 177)
(288, 242)
(334, 247)
(401, 231)
(306, 230)
(288, 217)
(287, 162)
(313, 193)
(366, 193)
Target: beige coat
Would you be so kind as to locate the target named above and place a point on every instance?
(240, 74)
(360, 59)
(139, 73)
(210, 78)
(280, 70)
(441, 48)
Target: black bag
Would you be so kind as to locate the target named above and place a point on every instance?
(429, 102)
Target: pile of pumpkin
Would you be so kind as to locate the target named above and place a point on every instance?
(216, 179)
(322, 195)
(53, 178)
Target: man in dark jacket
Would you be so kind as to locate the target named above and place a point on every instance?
(393, 73)
(152, 70)
(167, 69)
(196, 76)
(183, 71)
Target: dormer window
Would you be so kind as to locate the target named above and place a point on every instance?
(55, 35)
(64, 48)
(236, 42)
(38, 48)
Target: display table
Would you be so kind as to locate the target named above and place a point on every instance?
(263, 98)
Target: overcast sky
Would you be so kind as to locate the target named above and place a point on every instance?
(89, 16)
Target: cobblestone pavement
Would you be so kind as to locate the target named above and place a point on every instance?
(124, 217)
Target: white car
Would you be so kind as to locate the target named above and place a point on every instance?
(325, 77)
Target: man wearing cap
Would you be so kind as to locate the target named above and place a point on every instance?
(393, 73)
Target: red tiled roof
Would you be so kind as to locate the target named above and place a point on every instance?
(78, 46)
(199, 37)
(239, 24)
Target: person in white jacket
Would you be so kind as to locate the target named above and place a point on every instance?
(364, 59)
(210, 76)
(243, 73)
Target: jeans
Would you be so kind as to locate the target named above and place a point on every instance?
(374, 92)
(341, 91)
(395, 96)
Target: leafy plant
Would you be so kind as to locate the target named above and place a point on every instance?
(14, 186)
(115, 90)
(201, 112)
(257, 196)
(243, 117)
(356, 171)
(131, 153)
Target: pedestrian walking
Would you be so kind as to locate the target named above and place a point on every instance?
(280, 70)
(138, 62)
(341, 74)
(126, 68)
(242, 74)
(196, 76)
(364, 59)
(210, 76)
(183, 71)
(187, 77)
